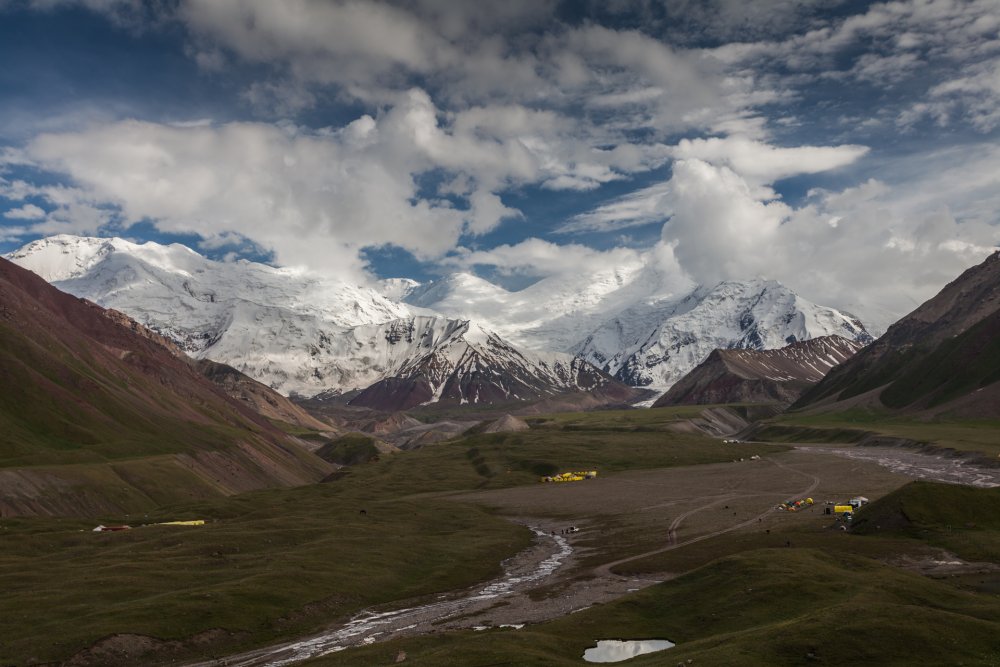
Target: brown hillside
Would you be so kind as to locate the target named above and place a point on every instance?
(760, 376)
(947, 351)
(257, 396)
(83, 386)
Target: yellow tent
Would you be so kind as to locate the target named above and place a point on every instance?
(196, 522)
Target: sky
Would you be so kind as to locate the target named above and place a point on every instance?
(850, 150)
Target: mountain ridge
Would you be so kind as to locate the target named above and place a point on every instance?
(760, 376)
(947, 349)
(106, 419)
(304, 335)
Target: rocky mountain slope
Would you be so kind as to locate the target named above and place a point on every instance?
(469, 365)
(760, 376)
(98, 416)
(257, 396)
(301, 334)
(633, 323)
(944, 356)
(304, 335)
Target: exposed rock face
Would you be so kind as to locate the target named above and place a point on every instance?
(92, 387)
(472, 366)
(257, 396)
(301, 334)
(760, 376)
(944, 355)
(506, 424)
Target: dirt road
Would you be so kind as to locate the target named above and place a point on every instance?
(668, 502)
(672, 543)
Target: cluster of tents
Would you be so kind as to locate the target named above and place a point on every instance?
(570, 476)
(795, 505)
(847, 511)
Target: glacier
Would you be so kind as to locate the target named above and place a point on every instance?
(305, 334)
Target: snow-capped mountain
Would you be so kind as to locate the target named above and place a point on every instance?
(635, 323)
(304, 334)
(464, 363)
(658, 345)
(555, 313)
(198, 294)
(296, 332)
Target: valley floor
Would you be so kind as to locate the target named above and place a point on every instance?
(455, 554)
(644, 514)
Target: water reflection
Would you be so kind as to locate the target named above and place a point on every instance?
(616, 650)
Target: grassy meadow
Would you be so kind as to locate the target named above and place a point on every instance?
(851, 425)
(280, 563)
(831, 598)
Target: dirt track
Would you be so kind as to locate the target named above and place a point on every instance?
(672, 543)
(671, 508)
(667, 509)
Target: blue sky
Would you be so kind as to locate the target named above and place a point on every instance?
(844, 148)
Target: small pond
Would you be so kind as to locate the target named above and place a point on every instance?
(616, 650)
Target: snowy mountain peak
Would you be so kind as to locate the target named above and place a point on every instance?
(302, 333)
(656, 346)
(396, 289)
(299, 333)
(65, 257)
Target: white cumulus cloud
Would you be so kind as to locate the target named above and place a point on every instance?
(26, 212)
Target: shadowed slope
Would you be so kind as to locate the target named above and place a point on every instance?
(945, 351)
(88, 386)
(760, 376)
(259, 397)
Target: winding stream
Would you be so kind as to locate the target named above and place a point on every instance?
(530, 566)
(920, 465)
(543, 559)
